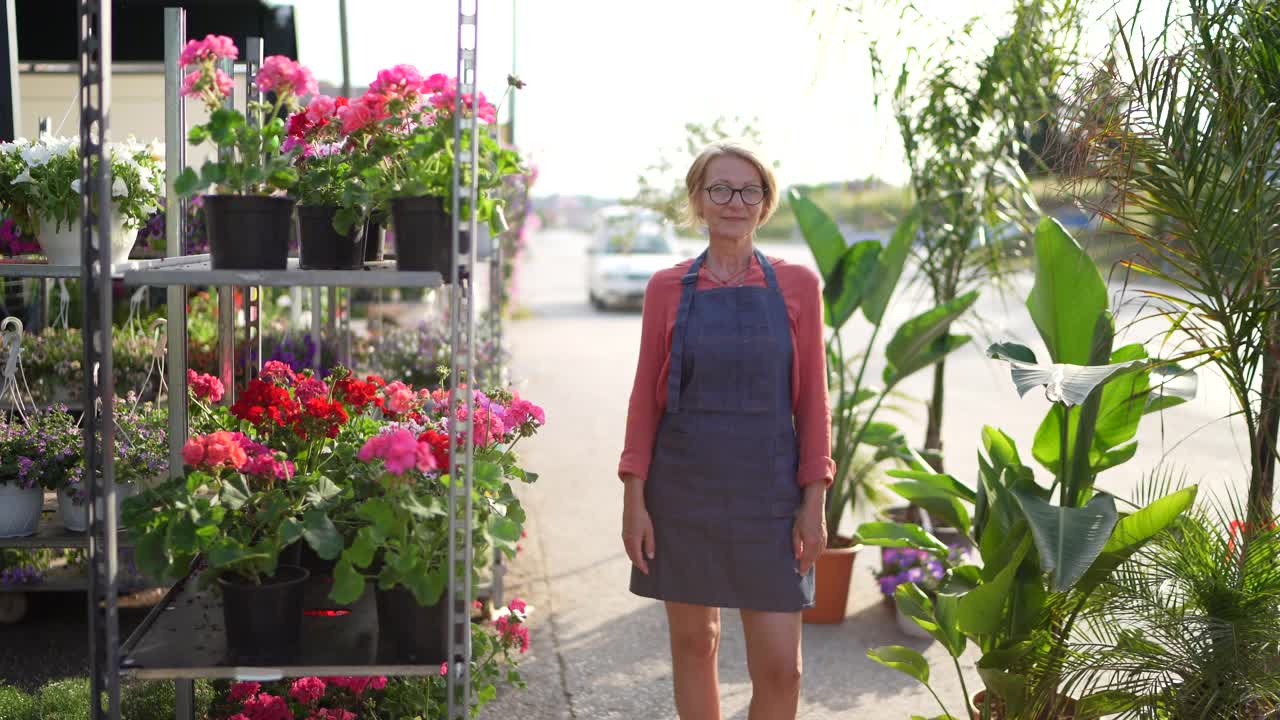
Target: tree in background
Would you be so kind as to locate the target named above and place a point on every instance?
(662, 183)
(972, 106)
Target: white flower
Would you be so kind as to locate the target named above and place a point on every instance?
(36, 155)
(24, 177)
(75, 186)
(119, 188)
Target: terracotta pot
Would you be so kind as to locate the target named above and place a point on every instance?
(1066, 709)
(831, 585)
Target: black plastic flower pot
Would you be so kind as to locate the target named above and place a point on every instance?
(374, 239)
(264, 622)
(423, 232)
(323, 248)
(247, 232)
(409, 632)
(319, 568)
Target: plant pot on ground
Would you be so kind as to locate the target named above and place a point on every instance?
(1064, 709)
(323, 247)
(248, 232)
(831, 583)
(264, 620)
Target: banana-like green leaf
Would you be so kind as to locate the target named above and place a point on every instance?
(888, 534)
(902, 659)
(1068, 539)
(939, 503)
(819, 231)
(849, 282)
(982, 609)
(1010, 687)
(1068, 297)
(891, 261)
(946, 611)
(940, 481)
(1134, 530)
(922, 340)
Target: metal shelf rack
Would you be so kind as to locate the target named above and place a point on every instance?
(143, 653)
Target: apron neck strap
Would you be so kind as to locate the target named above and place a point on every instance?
(769, 277)
(688, 283)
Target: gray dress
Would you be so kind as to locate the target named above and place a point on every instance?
(721, 489)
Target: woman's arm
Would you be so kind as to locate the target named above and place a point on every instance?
(813, 405)
(643, 411)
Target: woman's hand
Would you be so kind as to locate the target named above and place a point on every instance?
(637, 528)
(809, 534)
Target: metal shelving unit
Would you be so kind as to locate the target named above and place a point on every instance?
(177, 640)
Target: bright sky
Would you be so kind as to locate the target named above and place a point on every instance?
(611, 83)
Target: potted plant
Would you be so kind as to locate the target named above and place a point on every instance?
(397, 520)
(40, 190)
(864, 275)
(36, 453)
(923, 568)
(141, 460)
(249, 218)
(405, 125)
(325, 169)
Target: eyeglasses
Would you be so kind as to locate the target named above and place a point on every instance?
(723, 194)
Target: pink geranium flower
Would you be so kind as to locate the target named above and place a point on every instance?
(401, 81)
(307, 690)
(399, 398)
(268, 707)
(205, 387)
(321, 108)
(309, 388)
(212, 47)
(242, 691)
(285, 76)
(358, 114)
(279, 373)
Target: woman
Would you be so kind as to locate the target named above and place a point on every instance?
(728, 445)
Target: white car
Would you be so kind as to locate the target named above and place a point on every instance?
(623, 255)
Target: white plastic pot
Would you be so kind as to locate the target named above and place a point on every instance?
(19, 510)
(62, 247)
(75, 516)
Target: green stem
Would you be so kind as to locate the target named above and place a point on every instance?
(964, 688)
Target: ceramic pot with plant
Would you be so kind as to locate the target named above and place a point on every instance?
(38, 452)
(250, 219)
(40, 189)
(141, 460)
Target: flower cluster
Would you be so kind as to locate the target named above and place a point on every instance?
(511, 626)
(25, 574)
(40, 451)
(908, 565)
(236, 451)
(400, 451)
(205, 387)
(13, 242)
(284, 76)
(308, 698)
(206, 82)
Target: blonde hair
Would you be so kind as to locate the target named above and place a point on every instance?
(698, 174)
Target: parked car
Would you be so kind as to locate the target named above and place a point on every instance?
(626, 250)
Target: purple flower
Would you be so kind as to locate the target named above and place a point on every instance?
(937, 569)
(890, 555)
(888, 584)
(914, 575)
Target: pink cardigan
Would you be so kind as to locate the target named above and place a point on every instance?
(809, 401)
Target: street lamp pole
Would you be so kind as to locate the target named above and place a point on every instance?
(346, 52)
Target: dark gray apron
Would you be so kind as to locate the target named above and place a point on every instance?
(721, 490)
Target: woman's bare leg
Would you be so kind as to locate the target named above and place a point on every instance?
(773, 660)
(695, 643)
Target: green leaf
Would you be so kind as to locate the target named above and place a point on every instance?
(323, 489)
(1068, 297)
(362, 549)
(853, 276)
(888, 534)
(348, 584)
(1134, 530)
(1068, 539)
(946, 611)
(938, 502)
(1012, 351)
(197, 135)
(922, 341)
(504, 529)
(820, 232)
(982, 609)
(151, 556)
(223, 124)
(290, 531)
(889, 267)
(939, 481)
(187, 183)
(235, 492)
(322, 535)
(1112, 458)
(1009, 687)
(902, 659)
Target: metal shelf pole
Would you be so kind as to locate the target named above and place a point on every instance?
(175, 150)
(461, 322)
(95, 282)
